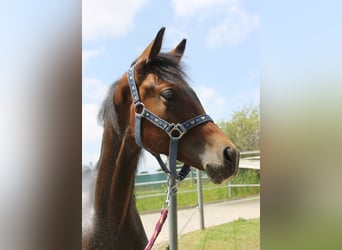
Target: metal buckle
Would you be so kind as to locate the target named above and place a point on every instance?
(176, 131)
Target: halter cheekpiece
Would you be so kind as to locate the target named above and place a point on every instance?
(175, 131)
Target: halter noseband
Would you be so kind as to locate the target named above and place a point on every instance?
(175, 131)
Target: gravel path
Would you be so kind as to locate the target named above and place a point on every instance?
(214, 214)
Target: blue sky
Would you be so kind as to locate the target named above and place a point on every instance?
(221, 58)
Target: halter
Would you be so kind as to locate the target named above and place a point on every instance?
(175, 131)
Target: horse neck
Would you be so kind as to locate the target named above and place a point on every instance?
(115, 215)
(115, 181)
(117, 224)
(122, 188)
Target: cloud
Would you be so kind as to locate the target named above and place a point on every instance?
(108, 18)
(253, 95)
(174, 36)
(94, 90)
(91, 131)
(192, 7)
(212, 102)
(233, 29)
(92, 158)
(221, 108)
(91, 134)
(88, 54)
(229, 22)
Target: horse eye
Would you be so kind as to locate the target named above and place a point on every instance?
(168, 94)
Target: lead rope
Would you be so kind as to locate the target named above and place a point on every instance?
(162, 219)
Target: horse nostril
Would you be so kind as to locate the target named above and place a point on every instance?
(229, 154)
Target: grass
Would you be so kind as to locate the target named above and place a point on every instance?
(238, 235)
(187, 193)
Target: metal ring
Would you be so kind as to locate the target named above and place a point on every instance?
(176, 132)
(139, 108)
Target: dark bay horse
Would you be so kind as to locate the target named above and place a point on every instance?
(163, 90)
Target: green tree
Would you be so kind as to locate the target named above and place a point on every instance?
(244, 128)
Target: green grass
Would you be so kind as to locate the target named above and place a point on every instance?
(211, 191)
(237, 235)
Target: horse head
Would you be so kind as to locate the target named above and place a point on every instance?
(163, 90)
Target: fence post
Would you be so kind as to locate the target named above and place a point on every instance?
(200, 198)
(229, 190)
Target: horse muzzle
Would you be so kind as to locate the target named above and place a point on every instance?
(226, 169)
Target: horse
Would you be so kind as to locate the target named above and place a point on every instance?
(159, 84)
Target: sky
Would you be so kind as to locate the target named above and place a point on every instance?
(221, 57)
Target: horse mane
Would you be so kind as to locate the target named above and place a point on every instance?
(164, 66)
(107, 111)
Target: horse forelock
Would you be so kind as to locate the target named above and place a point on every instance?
(166, 67)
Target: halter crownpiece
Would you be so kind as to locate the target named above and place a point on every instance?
(175, 131)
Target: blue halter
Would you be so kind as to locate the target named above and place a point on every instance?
(175, 131)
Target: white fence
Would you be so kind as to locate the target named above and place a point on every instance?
(250, 160)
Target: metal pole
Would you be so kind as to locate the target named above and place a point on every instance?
(173, 227)
(200, 198)
(229, 190)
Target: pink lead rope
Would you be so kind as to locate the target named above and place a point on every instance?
(158, 228)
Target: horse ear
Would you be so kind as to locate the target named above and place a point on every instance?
(177, 52)
(153, 48)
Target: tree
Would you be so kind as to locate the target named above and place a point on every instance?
(244, 128)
